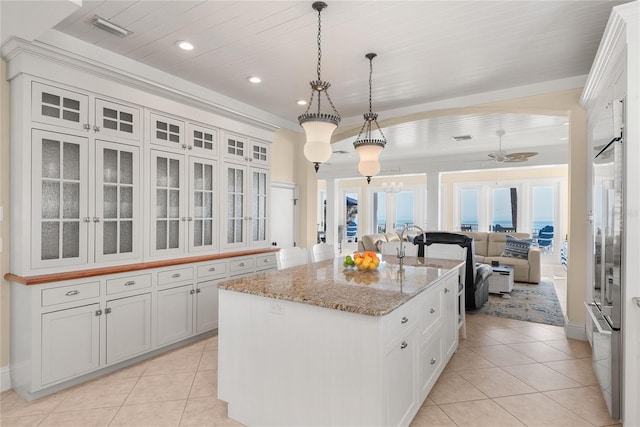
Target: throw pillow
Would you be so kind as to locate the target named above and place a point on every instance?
(379, 244)
(517, 248)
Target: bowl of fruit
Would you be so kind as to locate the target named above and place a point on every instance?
(363, 261)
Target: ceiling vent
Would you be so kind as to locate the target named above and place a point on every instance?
(109, 27)
(462, 138)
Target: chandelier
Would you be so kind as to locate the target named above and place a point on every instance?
(318, 127)
(367, 147)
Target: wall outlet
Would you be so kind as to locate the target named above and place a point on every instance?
(276, 307)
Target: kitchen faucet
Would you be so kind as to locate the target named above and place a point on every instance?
(400, 250)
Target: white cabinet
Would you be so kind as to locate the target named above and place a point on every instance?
(449, 290)
(177, 215)
(59, 198)
(166, 131)
(70, 343)
(187, 309)
(400, 381)
(128, 327)
(117, 120)
(241, 149)
(245, 206)
(59, 107)
(202, 140)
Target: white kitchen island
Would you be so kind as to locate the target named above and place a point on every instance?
(324, 345)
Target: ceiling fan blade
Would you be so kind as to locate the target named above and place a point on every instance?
(516, 159)
(522, 155)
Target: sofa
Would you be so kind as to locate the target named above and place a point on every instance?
(489, 247)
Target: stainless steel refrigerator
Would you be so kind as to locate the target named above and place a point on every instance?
(605, 308)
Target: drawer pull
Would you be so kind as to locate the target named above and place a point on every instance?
(72, 293)
(175, 275)
(433, 361)
(267, 260)
(212, 269)
(130, 283)
(433, 310)
(404, 320)
(242, 264)
(98, 312)
(403, 345)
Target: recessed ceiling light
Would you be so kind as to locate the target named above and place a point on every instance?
(184, 45)
(301, 102)
(254, 79)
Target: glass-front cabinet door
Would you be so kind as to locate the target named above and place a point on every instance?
(59, 107)
(167, 203)
(59, 199)
(117, 202)
(259, 195)
(203, 206)
(235, 206)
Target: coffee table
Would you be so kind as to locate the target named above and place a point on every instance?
(501, 281)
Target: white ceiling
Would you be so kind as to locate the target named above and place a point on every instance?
(428, 51)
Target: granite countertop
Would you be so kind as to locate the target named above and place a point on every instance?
(329, 284)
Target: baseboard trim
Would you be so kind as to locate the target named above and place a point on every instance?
(575, 331)
(5, 378)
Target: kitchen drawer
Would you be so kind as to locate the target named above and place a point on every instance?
(128, 283)
(241, 265)
(212, 269)
(429, 364)
(399, 321)
(70, 293)
(175, 276)
(430, 306)
(265, 262)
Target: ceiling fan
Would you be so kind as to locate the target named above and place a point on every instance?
(502, 157)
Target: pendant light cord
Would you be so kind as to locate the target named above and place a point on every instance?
(319, 42)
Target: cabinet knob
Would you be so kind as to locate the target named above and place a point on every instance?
(96, 128)
(98, 312)
(403, 345)
(433, 360)
(86, 126)
(86, 219)
(198, 291)
(190, 147)
(72, 293)
(267, 260)
(446, 290)
(96, 219)
(183, 218)
(107, 310)
(433, 310)
(184, 146)
(404, 319)
(192, 291)
(242, 264)
(175, 275)
(212, 269)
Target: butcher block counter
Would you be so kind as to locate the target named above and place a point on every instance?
(322, 344)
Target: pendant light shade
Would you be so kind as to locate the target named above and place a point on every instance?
(318, 127)
(369, 148)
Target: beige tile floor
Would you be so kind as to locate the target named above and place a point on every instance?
(506, 373)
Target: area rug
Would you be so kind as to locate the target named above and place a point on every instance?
(532, 303)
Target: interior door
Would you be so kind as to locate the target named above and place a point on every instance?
(284, 217)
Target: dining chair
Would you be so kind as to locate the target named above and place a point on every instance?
(291, 257)
(391, 248)
(321, 252)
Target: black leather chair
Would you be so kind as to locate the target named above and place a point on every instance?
(476, 284)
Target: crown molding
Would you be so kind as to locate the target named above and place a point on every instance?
(65, 50)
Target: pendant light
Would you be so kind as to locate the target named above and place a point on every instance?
(367, 147)
(318, 127)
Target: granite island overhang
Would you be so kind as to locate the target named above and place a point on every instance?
(320, 344)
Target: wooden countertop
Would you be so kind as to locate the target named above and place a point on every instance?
(79, 274)
(329, 284)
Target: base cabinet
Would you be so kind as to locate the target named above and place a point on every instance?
(70, 343)
(65, 331)
(400, 381)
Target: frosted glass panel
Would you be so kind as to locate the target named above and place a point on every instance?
(230, 231)
(231, 180)
(110, 208)
(50, 200)
(50, 240)
(208, 205)
(110, 171)
(161, 235)
(110, 237)
(197, 232)
(174, 203)
(71, 200)
(126, 167)
(197, 205)
(254, 234)
(255, 182)
(126, 237)
(161, 172)
(208, 232)
(161, 204)
(230, 205)
(238, 231)
(174, 173)
(50, 158)
(174, 234)
(126, 202)
(71, 239)
(239, 203)
(197, 176)
(239, 180)
(208, 177)
(71, 162)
